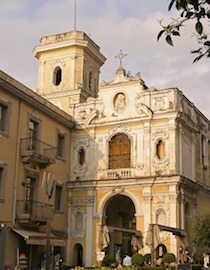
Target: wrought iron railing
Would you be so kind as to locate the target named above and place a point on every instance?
(35, 146)
(34, 210)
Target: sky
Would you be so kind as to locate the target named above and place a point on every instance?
(128, 25)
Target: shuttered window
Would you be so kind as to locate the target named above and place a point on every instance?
(119, 152)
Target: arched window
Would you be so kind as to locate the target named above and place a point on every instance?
(187, 209)
(160, 149)
(90, 81)
(57, 76)
(119, 152)
(81, 156)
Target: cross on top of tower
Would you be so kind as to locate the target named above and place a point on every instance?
(120, 56)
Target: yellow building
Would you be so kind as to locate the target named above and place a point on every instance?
(136, 157)
(34, 168)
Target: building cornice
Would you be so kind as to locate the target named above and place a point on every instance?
(30, 97)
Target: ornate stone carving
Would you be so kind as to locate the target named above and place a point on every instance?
(120, 102)
(139, 166)
(79, 201)
(172, 197)
(118, 190)
(79, 169)
(61, 63)
(58, 62)
(119, 129)
(161, 199)
(35, 114)
(92, 109)
(81, 142)
(90, 200)
(160, 164)
(147, 198)
(160, 133)
(159, 104)
(141, 108)
(79, 223)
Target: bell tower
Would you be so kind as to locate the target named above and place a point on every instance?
(68, 68)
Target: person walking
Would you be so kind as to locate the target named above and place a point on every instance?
(206, 260)
(127, 261)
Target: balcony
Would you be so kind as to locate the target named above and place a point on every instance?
(120, 173)
(38, 152)
(33, 212)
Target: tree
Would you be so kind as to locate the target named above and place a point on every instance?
(108, 260)
(137, 259)
(196, 10)
(169, 258)
(201, 230)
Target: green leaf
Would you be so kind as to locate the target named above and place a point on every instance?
(169, 40)
(196, 51)
(189, 14)
(207, 43)
(178, 6)
(199, 27)
(171, 4)
(196, 60)
(175, 33)
(160, 34)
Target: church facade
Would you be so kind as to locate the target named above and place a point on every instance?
(138, 157)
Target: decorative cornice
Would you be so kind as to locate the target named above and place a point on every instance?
(36, 101)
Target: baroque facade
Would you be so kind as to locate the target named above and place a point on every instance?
(137, 156)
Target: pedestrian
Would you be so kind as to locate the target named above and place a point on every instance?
(117, 257)
(188, 258)
(206, 260)
(127, 260)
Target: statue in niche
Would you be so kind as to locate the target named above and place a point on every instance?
(120, 102)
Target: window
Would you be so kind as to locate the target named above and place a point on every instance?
(187, 209)
(57, 76)
(203, 151)
(119, 152)
(61, 145)
(90, 85)
(29, 194)
(160, 149)
(58, 197)
(4, 117)
(2, 181)
(33, 134)
(81, 153)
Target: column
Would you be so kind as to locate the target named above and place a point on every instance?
(147, 199)
(89, 229)
(180, 149)
(68, 229)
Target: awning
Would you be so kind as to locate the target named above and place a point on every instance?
(39, 238)
(135, 232)
(153, 239)
(175, 231)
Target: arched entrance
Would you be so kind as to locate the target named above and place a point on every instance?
(78, 255)
(119, 217)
